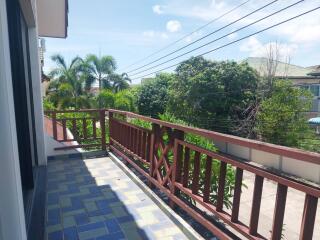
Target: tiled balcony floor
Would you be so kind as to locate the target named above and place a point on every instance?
(95, 199)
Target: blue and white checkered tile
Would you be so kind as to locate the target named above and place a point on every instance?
(95, 199)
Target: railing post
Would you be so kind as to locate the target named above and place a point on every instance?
(110, 127)
(180, 136)
(308, 217)
(177, 164)
(153, 147)
(103, 128)
(54, 125)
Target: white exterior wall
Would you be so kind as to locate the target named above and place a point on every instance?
(305, 170)
(12, 220)
(37, 95)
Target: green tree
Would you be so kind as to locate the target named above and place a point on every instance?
(124, 100)
(98, 70)
(119, 81)
(213, 95)
(66, 87)
(106, 98)
(206, 144)
(48, 105)
(281, 118)
(152, 96)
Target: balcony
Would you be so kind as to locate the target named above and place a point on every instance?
(134, 182)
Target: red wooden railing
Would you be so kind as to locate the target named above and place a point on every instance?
(164, 157)
(173, 165)
(79, 128)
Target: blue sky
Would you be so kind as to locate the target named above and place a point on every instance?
(132, 29)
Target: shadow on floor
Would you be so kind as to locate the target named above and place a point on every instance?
(78, 207)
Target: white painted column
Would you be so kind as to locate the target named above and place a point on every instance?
(37, 97)
(12, 219)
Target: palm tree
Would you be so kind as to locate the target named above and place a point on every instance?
(67, 84)
(98, 70)
(120, 81)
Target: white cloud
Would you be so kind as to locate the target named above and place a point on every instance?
(154, 34)
(252, 45)
(232, 36)
(157, 9)
(164, 35)
(257, 49)
(306, 34)
(193, 36)
(173, 26)
(149, 34)
(305, 29)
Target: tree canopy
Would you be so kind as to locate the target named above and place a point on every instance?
(223, 96)
(71, 85)
(212, 94)
(282, 119)
(66, 89)
(98, 69)
(153, 95)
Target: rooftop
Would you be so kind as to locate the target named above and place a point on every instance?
(283, 69)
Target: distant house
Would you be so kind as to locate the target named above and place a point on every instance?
(306, 77)
(315, 72)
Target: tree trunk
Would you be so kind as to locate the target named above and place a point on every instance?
(100, 103)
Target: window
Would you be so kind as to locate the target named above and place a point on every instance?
(315, 90)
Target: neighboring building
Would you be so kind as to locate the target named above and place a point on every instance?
(22, 141)
(315, 71)
(144, 80)
(306, 77)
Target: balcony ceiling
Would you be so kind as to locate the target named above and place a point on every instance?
(52, 18)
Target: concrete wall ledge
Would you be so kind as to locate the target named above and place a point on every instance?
(290, 167)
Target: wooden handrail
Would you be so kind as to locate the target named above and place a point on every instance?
(74, 111)
(173, 176)
(298, 154)
(59, 123)
(149, 152)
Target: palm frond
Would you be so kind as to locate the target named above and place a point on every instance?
(55, 73)
(94, 62)
(59, 60)
(106, 84)
(89, 81)
(108, 64)
(76, 62)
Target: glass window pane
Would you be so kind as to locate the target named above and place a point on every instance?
(315, 90)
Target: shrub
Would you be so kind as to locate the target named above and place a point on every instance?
(204, 143)
(106, 99)
(79, 132)
(48, 105)
(282, 119)
(124, 100)
(153, 95)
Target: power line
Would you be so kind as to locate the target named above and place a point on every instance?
(187, 35)
(226, 93)
(217, 39)
(238, 40)
(207, 35)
